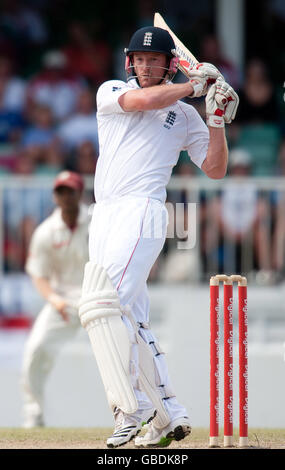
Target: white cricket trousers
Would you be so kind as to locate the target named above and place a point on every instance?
(49, 333)
(126, 237)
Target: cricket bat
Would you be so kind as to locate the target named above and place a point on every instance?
(186, 59)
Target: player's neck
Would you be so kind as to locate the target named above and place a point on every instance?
(70, 217)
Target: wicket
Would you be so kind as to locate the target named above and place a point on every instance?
(228, 360)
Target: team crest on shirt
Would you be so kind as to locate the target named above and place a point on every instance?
(115, 88)
(170, 119)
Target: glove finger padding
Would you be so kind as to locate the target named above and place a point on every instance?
(196, 74)
(212, 105)
(202, 76)
(231, 107)
(221, 101)
(221, 89)
(209, 70)
(214, 113)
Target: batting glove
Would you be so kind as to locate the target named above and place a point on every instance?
(221, 104)
(202, 76)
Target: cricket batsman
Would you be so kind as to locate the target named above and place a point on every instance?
(57, 256)
(143, 126)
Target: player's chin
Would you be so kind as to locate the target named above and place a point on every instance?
(146, 82)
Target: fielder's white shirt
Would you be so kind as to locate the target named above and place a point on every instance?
(138, 150)
(59, 254)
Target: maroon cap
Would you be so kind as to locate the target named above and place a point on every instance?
(69, 179)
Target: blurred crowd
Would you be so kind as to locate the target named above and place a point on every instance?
(48, 123)
(242, 226)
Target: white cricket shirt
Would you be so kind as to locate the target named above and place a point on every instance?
(138, 150)
(59, 254)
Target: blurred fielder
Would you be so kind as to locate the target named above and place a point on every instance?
(56, 260)
(143, 126)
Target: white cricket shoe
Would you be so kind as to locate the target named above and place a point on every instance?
(155, 437)
(127, 426)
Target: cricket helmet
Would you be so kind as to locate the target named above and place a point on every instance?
(152, 39)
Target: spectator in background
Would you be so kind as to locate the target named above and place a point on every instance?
(82, 126)
(19, 221)
(211, 52)
(85, 159)
(239, 221)
(180, 265)
(40, 132)
(12, 102)
(87, 52)
(22, 25)
(40, 160)
(23, 208)
(12, 87)
(257, 100)
(55, 86)
(278, 246)
(257, 125)
(24, 166)
(39, 141)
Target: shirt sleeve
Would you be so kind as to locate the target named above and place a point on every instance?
(39, 260)
(197, 140)
(108, 95)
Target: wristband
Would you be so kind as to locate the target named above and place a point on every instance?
(215, 121)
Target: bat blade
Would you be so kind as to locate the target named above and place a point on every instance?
(187, 59)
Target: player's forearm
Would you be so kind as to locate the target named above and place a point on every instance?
(156, 97)
(216, 162)
(43, 286)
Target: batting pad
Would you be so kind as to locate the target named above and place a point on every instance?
(147, 380)
(147, 376)
(100, 313)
